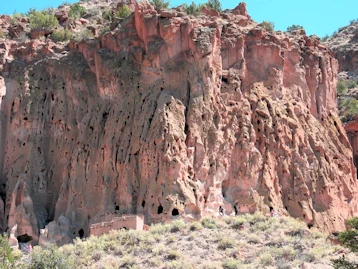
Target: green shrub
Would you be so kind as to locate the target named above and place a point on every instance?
(325, 38)
(49, 258)
(104, 30)
(268, 26)
(159, 228)
(342, 87)
(348, 239)
(159, 4)
(85, 34)
(231, 264)
(266, 259)
(237, 222)
(177, 226)
(193, 9)
(41, 20)
(15, 17)
(349, 107)
(124, 12)
(226, 242)
(107, 14)
(173, 254)
(178, 265)
(351, 84)
(209, 223)
(343, 263)
(61, 35)
(76, 11)
(195, 226)
(215, 4)
(7, 257)
(294, 27)
(2, 34)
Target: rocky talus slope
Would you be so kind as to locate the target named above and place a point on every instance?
(169, 115)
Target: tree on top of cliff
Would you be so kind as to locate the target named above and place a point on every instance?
(159, 4)
(192, 9)
(294, 27)
(215, 4)
(268, 26)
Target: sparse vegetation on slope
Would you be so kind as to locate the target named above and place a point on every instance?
(257, 242)
(42, 20)
(215, 4)
(159, 4)
(294, 27)
(348, 239)
(76, 11)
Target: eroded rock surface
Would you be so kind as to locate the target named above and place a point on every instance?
(345, 45)
(172, 115)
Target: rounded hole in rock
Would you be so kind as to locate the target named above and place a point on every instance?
(81, 233)
(24, 238)
(160, 209)
(175, 212)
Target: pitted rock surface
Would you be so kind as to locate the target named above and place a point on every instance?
(172, 115)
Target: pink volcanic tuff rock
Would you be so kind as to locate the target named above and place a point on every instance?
(37, 33)
(62, 16)
(209, 11)
(240, 10)
(167, 117)
(83, 21)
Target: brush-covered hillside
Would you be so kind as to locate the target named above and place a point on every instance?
(247, 241)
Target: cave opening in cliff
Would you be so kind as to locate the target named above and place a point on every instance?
(160, 209)
(117, 208)
(24, 238)
(81, 233)
(236, 211)
(175, 212)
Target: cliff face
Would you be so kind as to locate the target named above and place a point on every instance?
(172, 115)
(345, 45)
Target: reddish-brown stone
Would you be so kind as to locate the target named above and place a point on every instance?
(173, 116)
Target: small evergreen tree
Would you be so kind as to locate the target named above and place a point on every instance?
(192, 9)
(124, 12)
(294, 27)
(159, 4)
(7, 258)
(215, 4)
(348, 239)
(268, 26)
(342, 87)
(41, 20)
(76, 11)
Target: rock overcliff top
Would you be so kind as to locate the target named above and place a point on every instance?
(169, 114)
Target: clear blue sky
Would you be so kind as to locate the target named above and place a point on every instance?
(318, 17)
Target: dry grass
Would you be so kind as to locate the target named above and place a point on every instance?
(248, 241)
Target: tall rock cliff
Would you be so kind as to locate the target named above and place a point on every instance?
(172, 115)
(345, 45)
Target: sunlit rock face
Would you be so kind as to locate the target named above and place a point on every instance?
(172, 115)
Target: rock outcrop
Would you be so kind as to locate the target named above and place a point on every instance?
(172, 115)
(345, 45)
